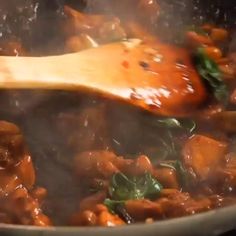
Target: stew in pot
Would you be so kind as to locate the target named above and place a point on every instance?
(130, 166)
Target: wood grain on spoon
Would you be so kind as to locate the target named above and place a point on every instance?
(160, 79)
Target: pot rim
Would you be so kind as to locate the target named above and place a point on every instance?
(215, 217)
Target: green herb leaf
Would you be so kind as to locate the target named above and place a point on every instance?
(123, 188)
(112, 204)
(169, 146)
(173, 123)
(188, 125)
(210, 73)
(183, 174)
(169, 123)
(169, 165)
(153, 187)
(166, 147)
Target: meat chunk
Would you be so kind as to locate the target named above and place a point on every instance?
(95, 164)
(14, 154)
(25, 171)
(175, 204)
(135, 167)
(12, 48)
(104, 164)
(167, 177)
(101, 28)
(23, 209)
(196, 40)
(17, 179)
(224, 179)
(202, 155)
(144, 11)
(180, 204)
(12, 147)
(142, 209)
(99, 216)
(78, 43)
(106, 219)
(90, 202)
(9, 182)
(85, 218)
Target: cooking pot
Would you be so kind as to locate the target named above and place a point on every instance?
(214, 222)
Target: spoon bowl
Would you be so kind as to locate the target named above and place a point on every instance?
(158, 78)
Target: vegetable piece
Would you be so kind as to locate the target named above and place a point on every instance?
(202, 155)
(211, 75)
(124, 188)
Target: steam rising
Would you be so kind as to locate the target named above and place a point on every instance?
(40, 114)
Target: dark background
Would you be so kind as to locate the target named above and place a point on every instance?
(45, 16)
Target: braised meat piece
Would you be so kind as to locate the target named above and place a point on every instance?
(17, 180)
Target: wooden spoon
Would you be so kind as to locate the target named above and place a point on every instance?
(160, 79)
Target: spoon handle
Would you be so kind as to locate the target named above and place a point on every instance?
(34, 72)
